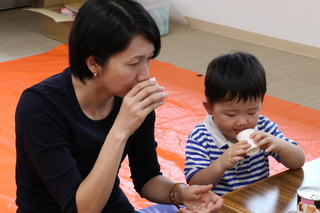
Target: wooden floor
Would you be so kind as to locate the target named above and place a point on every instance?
(291, 77)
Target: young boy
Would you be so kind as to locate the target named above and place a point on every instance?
(235, 85)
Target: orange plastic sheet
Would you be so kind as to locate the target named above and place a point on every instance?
(182, 111)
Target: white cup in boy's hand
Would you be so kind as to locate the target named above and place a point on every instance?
(244, 135)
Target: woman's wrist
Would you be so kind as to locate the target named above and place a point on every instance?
(175, 194)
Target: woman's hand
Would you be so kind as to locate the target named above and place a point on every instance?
(199, 199)
(138, 103)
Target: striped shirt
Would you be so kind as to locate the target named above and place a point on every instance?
(206, 144)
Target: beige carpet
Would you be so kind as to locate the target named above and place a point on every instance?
(290, 76)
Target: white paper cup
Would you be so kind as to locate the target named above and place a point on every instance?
(244, 135)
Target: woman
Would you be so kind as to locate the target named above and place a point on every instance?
(74, 129)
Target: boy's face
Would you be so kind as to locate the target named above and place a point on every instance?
(232, 117)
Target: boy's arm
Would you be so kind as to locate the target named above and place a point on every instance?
(209, 175)
(213, 173)
(291, 155)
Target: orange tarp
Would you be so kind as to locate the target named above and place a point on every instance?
(182, 111)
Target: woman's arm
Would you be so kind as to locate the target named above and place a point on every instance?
(157, 190)
(93, 193)
(194, 198)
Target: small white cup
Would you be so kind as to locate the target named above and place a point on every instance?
(244, 135)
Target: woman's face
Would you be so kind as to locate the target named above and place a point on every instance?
(125, 69)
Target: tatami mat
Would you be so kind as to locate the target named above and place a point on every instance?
(291, 77)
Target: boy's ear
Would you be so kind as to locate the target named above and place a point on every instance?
(207, 106)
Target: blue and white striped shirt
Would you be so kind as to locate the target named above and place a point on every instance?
(206, 144)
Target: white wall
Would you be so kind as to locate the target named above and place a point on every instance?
(292, 20)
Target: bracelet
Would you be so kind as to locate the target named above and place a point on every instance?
(171, 195)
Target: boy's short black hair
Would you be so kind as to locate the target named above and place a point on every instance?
(235, 76)
(103, 28)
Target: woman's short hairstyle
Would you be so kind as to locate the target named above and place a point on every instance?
(103, 28)
(236, 76)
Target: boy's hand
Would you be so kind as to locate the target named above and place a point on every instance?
(267, 141)
(235, 153)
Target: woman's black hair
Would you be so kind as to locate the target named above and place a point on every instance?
(236, 76)
(103, 28)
